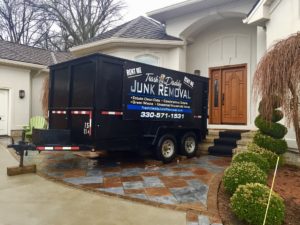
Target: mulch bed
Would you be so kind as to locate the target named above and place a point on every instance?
(287, 185)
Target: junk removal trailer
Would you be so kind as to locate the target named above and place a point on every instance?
(104, 102)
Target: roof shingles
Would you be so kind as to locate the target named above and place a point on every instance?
(28, 54)
(139, 28)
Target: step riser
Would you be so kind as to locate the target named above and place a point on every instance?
(241, 145)
(225, 142)
(215, 133)
(242, 142)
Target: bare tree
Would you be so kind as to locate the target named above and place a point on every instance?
(79, 20)
(278, 74)
(22, 24)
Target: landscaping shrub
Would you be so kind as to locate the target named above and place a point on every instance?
(249, 203)
(271, 157)
(270, 132)
(277, 116)
(275, 130)
(256, 158)
(278, 146)
(276, 103)
(242, 173)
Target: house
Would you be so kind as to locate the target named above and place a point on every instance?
(203, 36)
(142, 39)
(276, 20)
(222, 40)
(22, 72)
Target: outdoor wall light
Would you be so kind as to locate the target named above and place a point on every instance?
(197, 72)
(21, 94)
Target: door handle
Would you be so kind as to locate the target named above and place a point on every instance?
(223, 98)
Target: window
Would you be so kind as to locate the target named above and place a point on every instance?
(148, 59)
(216, 93)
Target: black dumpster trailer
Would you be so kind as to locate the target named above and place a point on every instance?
(104, 102)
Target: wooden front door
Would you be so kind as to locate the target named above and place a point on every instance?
(228, 95)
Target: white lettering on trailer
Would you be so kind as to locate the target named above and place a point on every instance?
(134, 72)
(138, 70)
(87, 129)
(142, 88)
(130, 72)
(188, 82)
(197, 116)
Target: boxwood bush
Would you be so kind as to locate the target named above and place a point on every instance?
(278, 146)
(249, 203)
(276, 104)
(271, 157)
(256, 158)
(277, 115)
(275, 130)
(242, 173)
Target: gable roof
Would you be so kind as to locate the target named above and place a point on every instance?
(139, 28)
(28, 54)
(252, 9)
(185, 8)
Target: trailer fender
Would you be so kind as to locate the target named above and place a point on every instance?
(178, 132)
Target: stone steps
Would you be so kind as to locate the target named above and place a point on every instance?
(214, 134)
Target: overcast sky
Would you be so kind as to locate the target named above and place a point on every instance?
(136, 8)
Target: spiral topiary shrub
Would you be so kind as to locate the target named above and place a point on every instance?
(271, 157)
(242, 173)
(249, 203)
(271, 133)
(253, 157)
(275, 130)
(276, 103)
(278, 146)
(276, 116)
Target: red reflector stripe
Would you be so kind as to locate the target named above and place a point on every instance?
(58, 148)
(81, 112)
(58, 112)
(111, 113)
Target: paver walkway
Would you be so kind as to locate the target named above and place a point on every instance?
(185, 185)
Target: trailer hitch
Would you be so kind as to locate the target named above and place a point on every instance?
(21, 149)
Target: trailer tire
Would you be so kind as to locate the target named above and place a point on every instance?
(188, 144)
(166, 148)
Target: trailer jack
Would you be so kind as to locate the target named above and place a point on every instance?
(23, 147)
(22, 150)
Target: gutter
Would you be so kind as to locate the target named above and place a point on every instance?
(24, 65)
(102, 43)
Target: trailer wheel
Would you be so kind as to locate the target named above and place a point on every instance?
(189, 143)
(166, 148)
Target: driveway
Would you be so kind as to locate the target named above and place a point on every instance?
(122, 187)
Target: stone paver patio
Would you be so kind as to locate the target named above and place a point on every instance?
(189, 185)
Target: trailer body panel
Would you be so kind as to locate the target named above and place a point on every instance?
(110, 102)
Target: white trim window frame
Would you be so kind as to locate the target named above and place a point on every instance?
(147, 59)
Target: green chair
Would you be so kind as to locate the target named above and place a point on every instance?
(37, 122)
